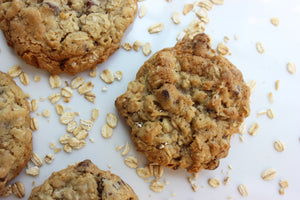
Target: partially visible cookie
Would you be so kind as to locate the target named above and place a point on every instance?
(83, 181)
(65, 36)
(184, 105)
(15, 133)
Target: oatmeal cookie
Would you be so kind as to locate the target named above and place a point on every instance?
(83, 181)
(15, 133)
(65, 35)
(184, 105)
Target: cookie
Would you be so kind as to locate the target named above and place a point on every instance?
(184, 106)
(15, 133)
(83, 181)
(65, 36)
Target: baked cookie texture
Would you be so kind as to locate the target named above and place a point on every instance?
(83, 181)
(184, 105)
(15, 133)
(65, 35)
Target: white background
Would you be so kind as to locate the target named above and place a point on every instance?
(250, 19)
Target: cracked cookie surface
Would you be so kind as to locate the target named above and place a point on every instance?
(83, 181)
(15, 133)
(184, 106)
(65, 35)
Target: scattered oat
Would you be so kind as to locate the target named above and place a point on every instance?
(15, 71)
(194, 187)
(93, 73)
(34, 105)
(166, 182)
(95, 114)
(281, 191)
(194, 28)
(111, 120)
(222, 49)
(137, 44)
(67, 148)
(156, 186)
(90, 97)
(271, 98)
(180, 36)
(118, 75)
(33, 171)
(92, 140)
(77, 131)
(56, 150)
(46, 113)
(52, 145)
(36, 160)
(226, 180)
(106, 131)
(291, 67)
(42, 99)
(277, 83)
(82, 135)
(34, 124)
(284, 184)
(243, 128)
(126, 46)
(226, 39)
(24, 78)
(156, 28)
(118, 148)
(6, 191)
(104, 89)
(131, 162)
(253, 129)
(214, 182)
(236, 37)
(158, 171)
(59, 109)
(36, 78)
(263, 112)
(54, 98)
(145, 172)
(173, 194)
(54, 81)
(49, 158)
(260, 47)
(66, 92)
(176, 17)
(85, 87)
(64, 139)
(252, 85)
(77, 82)
(206, 4)
(74, 142)
(142, 11)
(242, 139)
(86, 124)
(147, 49)
(243, 190)
(107, 76)
(126, 149)
(18, 190)
(269, 174)
(217, 2)
(270, 113)
(187, 8)
(279, 146)
(202, 13)
(275, 21)
(67, 117)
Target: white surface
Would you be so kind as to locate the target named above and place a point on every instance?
(250, 19)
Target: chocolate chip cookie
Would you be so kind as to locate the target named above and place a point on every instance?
(184, 106)
(15, 133)
(65, 35)
(83, 181)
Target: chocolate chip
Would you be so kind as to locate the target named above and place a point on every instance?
(165, 94)
(237, 90)
(84, 164)
(90, 3)
(3, 178)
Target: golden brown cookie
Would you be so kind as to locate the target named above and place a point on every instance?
(184, 105)
(15, 133)
(83, 181)
(65, 35)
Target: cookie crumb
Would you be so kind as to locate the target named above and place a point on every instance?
(222, 49)
(107, 76)
(284, 183)
(275, 21)
(126, 46)
(52, 145)
(46, 113)
(137, 44)
(118, 75)
(36, 78)
(104, 89)
(282, 191)
(93, 73)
